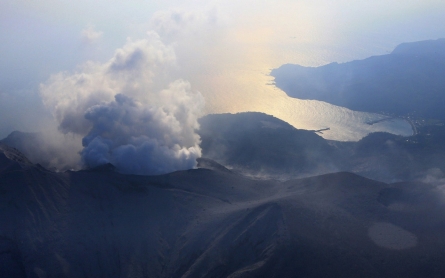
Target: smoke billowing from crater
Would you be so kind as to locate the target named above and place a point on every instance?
(131, 111)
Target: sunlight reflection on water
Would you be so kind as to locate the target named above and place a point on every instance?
(253, 91)
(239, 81)
(236, 79)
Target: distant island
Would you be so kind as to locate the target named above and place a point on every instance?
(408, 82)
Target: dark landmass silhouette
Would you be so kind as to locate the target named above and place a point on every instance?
(214, 223)
(39, 150)
(256, 144)
(262, 146)
(409, 81)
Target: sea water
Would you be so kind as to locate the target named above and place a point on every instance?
(245, 85)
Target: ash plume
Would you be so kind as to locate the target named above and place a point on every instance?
(131, 111)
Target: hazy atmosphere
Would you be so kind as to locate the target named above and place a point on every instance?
(222, 138)
(67, 68)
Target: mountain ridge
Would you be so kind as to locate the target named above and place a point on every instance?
(406, 82)
(213, 222)
(264, 147)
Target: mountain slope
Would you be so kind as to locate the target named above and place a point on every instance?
(407, 81)
(51, 153)
(215, 223)
(263, 146)
(259, 144)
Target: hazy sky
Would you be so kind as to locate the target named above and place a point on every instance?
(225, 49)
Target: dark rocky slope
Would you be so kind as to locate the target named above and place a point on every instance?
(214, 223)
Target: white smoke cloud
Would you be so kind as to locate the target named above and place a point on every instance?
(131, 111)
(137, 70)
(143, 139)
(434, 176)
(176, 25)
(89, 35)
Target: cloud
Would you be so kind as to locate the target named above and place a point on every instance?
(90, 36)
(434, 176)
(49, 148)
(131, 111)
(137, 70)
(174, 25)
(145, 139)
